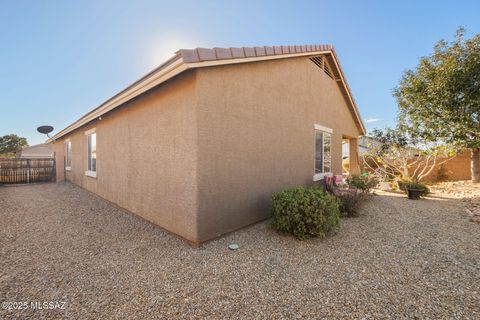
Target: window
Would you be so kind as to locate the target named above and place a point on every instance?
(91, 154)
(68, 155)
(323, 152)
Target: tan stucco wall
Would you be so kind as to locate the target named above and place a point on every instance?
(59, 151)
(256, 136)
(146, 156)
(456, 169)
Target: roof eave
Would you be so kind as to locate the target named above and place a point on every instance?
(361, 125)
(144, 84)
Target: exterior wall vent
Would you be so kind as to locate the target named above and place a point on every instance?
(322, 63)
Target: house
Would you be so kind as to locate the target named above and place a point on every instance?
(42, 150)
(198, 145)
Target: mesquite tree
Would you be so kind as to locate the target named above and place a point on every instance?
(439, 101)
(393, 152)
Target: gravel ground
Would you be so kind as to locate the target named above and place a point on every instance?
(457, 189)
(399, 259)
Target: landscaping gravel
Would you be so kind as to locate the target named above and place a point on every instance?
(399, 259)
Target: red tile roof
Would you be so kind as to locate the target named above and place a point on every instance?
(204, 54)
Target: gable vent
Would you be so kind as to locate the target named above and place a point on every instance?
(322, 64)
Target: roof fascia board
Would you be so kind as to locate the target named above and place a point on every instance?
(251, 59)
(347, 89)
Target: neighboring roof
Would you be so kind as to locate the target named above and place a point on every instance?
(185, 59)
(37, 150)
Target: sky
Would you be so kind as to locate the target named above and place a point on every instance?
(61, 59)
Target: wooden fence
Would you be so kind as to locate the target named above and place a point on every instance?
(20, 170)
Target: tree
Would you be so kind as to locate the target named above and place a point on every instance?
(11, 142)
(392, 152)
(439, 101)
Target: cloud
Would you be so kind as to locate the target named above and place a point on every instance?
(373, 120)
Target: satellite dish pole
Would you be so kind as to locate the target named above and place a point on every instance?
(46, 130)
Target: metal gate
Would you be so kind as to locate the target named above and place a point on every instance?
(21, 170)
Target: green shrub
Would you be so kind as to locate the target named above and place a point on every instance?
(350, 200)
(401, 182)
(415, 185)
(305, 212)
(363, 182)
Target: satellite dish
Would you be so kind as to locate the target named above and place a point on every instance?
(45, 129)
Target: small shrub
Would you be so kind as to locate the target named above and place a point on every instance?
(401, 183)
(363, 182)
(415, 185)
(350, 200)
(305, 212)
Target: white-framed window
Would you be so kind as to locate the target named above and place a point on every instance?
(91, 153)
(323, 152)
(68, 155)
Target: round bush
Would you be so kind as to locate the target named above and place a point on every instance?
(305, 212)
(414, 185)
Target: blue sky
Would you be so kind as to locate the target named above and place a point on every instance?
(60, 59)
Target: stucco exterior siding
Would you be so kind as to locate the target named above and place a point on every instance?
(201, 154)
(146, 156)
(256, 136)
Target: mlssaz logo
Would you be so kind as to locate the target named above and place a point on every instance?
(47, 305)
